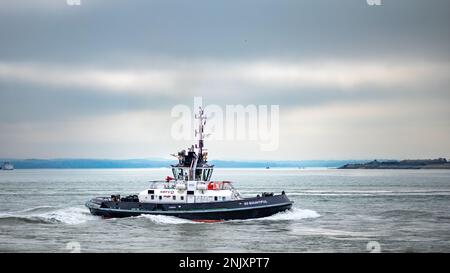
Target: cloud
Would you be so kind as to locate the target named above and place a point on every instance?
(170, 81)
(403, 128)
(104, 80)
(413, 128)
(341, 74)
(113, 135)
(50, 30)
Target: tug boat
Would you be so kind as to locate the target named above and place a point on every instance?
(191, 194)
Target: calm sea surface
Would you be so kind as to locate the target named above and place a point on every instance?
(334, 211)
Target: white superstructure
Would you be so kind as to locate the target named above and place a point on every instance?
(189, 192)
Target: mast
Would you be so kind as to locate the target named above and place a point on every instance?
(200, 133)
(201, 123)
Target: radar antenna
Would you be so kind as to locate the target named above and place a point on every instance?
(200, 131)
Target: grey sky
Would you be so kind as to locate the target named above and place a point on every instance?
(100, 79)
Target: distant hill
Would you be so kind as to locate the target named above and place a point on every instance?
(439, 163)
(158, 163)
(87, 163)
(284, 164)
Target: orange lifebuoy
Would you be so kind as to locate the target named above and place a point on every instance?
(214, 185)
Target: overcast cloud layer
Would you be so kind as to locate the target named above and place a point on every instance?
(99, 80)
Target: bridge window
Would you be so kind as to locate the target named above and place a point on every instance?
(178, 173)
(206, 174)
(198, 174)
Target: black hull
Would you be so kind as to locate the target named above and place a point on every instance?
(230, 210)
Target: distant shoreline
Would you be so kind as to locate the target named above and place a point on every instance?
(161, 163)
(408, 164)
(440, 163)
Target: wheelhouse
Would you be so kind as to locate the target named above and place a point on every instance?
(201, 173)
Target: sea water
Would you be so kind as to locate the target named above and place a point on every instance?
(334, 211)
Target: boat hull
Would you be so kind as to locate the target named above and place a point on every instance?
(247, 208)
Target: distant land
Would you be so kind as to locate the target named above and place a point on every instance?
(439, 163)
(159, 163)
